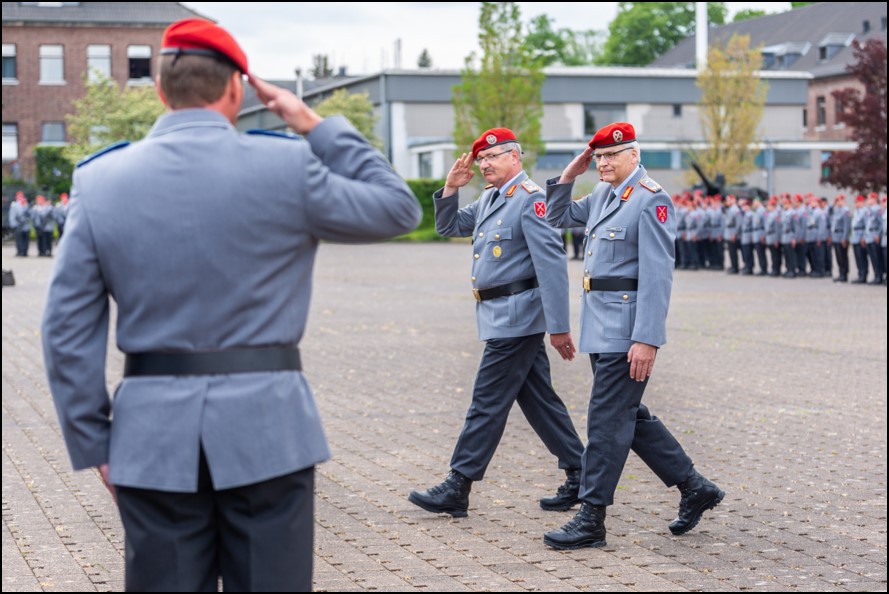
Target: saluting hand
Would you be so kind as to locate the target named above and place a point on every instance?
(287, 106)
(577, 167)
(459, 175)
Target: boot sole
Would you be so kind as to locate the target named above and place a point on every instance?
(562, 507)
(456, 513)
(589, 543)
(699, 514)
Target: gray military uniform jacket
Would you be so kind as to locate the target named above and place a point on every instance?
(788, 225)
(19, 216)
(841, 225)
(206, 239)
(632, 238)
(773, 226)
(511, 241)
(860, 220)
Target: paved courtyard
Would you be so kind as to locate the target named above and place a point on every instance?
(777, 389)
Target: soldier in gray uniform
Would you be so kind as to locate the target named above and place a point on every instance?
(60, 213)
(788, 236)
(759, 235)
(802, 218)
(679, 203)
(692, 229)
(883, 236)
(748, 223)
(858, 238)
(215, 432)
(628, 277)
(717, 231)
(520, 282)
(44, 225)
(874, 233)
(840, 229)
(20, 223)
(733, 220)
(773, 235)
(816, 232)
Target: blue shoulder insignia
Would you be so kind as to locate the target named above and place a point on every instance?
(104, 151)
(275, 133)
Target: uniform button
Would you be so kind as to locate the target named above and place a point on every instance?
(590, 253)
(476, 256)
(497, 236)
(625, 297)
(593, 236)
(586, 271)
(611, 235)
(481, 233)
(499, 221)
(473, 279)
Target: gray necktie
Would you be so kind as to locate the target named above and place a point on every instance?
(491, 202)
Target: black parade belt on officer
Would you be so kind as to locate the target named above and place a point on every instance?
(506, 290)
(246, 360)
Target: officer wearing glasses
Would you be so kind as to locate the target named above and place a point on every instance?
(630, 226)
(520, 283)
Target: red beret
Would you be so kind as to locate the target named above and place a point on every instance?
(201, 37)
(859, 198)
(492, 137)
(613, 135)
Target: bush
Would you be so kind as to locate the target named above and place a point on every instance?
(423, 189)
(54, 170)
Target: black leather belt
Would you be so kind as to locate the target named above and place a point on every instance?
(611, 284)
(505, 290)
(213, 362)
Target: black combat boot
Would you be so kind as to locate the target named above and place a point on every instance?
(586, 529)
(698, 495)
(567, 494)
(450, 497)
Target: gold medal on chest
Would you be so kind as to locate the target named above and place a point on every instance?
(497, 251)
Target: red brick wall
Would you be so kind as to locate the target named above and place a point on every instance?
(822, 88)
(29, 103)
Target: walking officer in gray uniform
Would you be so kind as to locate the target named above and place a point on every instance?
(627, 282)
(520, 283)
(215, 432)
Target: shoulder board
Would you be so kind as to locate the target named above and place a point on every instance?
(530, 186)
(489, 186)
(649, 184)
(275, 133)
(104, 151)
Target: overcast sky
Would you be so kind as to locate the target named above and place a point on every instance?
(279, 37)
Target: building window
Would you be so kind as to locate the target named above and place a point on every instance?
(657, 159)
(555, 160)
(140, 61)
(52, 133)
(10, 142)
(805, 117)
(424, 162)
(9, 70)
(52, 64)
(838, 114)
(98, 62)
(821, 111)
(596, 115)
(791, 159)
(677, 110)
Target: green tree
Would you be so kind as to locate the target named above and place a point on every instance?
(732, 100)
(800, 4)
(107, 114)
(357, 108)
(561, 46)
(53, 170)
(425, 59)
(505, 90)
(320, 67)
(642, 31)
(748, 13)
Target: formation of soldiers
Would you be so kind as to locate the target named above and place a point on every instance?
(43, 216)
(789, 236)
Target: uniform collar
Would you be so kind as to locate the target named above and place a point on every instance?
(188, 118)
(619, 190)
(514, 180)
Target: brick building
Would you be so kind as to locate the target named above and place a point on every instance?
(48, 48)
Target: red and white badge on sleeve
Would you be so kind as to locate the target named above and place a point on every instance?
(662, 214)
(540, 209)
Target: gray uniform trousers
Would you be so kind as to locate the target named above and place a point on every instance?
(169, 536)
(620, 422)
(514, 369)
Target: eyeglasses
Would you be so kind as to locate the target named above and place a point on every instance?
(609, 157)
(489, 158)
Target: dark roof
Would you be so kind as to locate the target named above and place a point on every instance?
(798, 34)
(106, 13)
